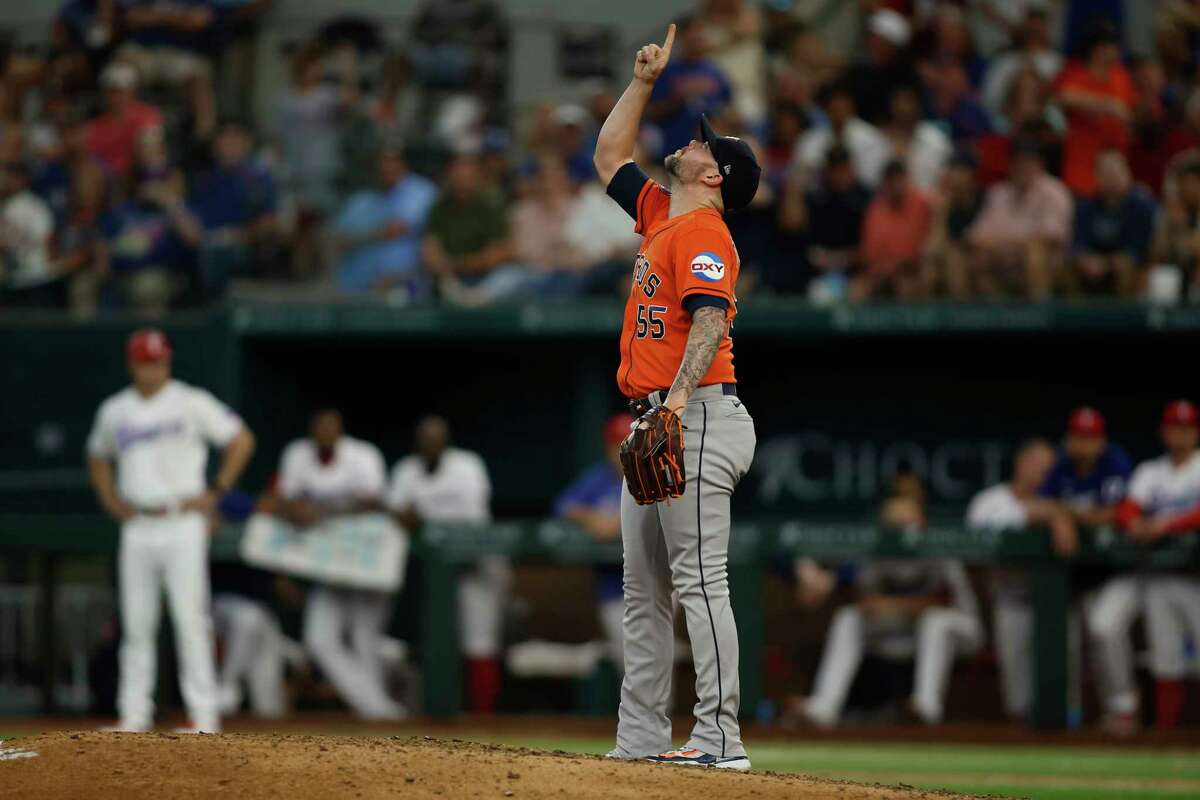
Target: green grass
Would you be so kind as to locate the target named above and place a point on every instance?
(1049, 773)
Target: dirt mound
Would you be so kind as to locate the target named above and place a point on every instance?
(103, 765)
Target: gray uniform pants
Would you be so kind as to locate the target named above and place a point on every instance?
(682, 546)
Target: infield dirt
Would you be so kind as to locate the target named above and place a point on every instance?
(100, 766)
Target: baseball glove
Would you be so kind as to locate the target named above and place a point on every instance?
(652, 457)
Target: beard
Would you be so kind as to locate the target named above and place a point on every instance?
(671, 162)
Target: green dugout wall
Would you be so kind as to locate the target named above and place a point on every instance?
(842, 398)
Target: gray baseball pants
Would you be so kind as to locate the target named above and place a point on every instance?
(682, 546)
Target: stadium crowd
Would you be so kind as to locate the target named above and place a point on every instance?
(961, 150)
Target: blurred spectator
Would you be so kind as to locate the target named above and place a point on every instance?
(1015, 506)
(1097, 95)
(149, 242)
(236, 201)
(1164, 502)
(441, 484)
(886, 67)
(1177, 237)
(868, 148)
(923, 610)
(1020, 236)
(379, 231)
(322, 476)
(1178, 27)
(1028, 103)
(395, 109)
(79, 238)
(894, 233)
(1149, 148)
(593, 502)
(690, 85)
(955, 207)
(920, 145)
(467, 240)
(165, 42)
(1112, 232)
(734, 30)
(947, 40)
(82, 36)
(570, 141)
(26, 228)
(1088, 482)
(307, 127)
(540, 235)
(950, 101)
(1034, 50)
(112, 137)
(598, 232)
(830, 217)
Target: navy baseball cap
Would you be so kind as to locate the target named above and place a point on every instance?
(739, 168)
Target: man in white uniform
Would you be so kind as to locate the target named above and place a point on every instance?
(1163, 501)
(923, 610)
(325, 475)
(158, 431)
(444, 484)
(1014, 506)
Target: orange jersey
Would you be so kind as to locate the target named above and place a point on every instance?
(691, 254)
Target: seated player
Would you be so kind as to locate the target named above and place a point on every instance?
(593, 502)
(1013, 506)
(1164, 501)
(919, 609)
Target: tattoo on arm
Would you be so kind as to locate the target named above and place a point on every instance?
(708, 329)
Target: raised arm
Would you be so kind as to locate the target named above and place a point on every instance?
(618, 135)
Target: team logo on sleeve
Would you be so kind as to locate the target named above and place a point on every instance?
(708, 266)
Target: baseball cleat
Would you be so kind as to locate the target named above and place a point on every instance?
(690, 756)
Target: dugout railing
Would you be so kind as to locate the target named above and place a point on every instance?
(442, 551)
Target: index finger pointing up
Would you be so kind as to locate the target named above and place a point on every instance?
(670, 40)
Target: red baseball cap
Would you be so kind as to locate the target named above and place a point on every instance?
(1086, 421)
(148, 345)
(1181, 412)
(616, 428)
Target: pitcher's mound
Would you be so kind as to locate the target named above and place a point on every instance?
(100, 766)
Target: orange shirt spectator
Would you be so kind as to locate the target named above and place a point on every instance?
(112, 137)
(896, 225)
(1098, 97)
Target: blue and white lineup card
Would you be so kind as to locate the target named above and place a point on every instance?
(361, 551)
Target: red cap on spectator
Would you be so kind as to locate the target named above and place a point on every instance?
(148, 344)
(1086, 421)
(617, 428)
(1181, 412)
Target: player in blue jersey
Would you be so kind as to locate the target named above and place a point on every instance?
(593, 502)
(1089, 480)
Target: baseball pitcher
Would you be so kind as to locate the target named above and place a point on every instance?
(694, 439)
(158, 431)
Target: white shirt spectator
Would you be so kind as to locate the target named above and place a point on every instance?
(356, 472)
(26, 226)
(458, 489)
(1163, 489)
(868, 148)
(597, 226)
(997, 508)
(994, 92)
(928, 153)
(160, 443)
